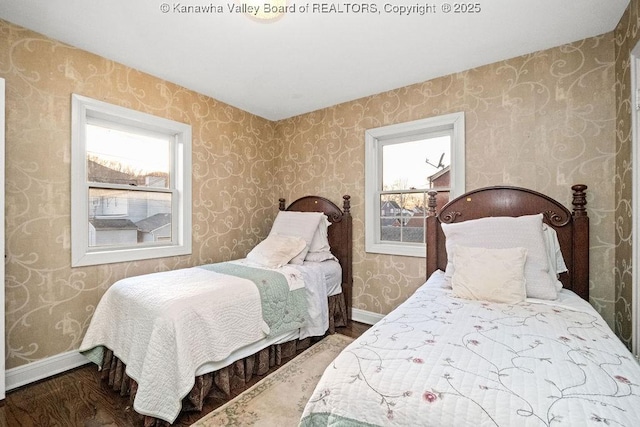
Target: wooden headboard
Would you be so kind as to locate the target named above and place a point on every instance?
(572, 227)
(340, 234)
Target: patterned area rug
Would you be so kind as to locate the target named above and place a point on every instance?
(279, 399)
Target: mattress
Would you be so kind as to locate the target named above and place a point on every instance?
(440, 360)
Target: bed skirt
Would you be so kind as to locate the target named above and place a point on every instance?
(228, 381)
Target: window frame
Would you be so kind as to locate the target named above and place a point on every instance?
(374, 141)
(86, 110)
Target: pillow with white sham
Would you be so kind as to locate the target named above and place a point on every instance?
(495, 275)
(320, 241)
(507, 232)
(319, 249)
(276, 250)
(556, 260)
(299, 224)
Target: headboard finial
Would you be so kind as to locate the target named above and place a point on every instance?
(579, 200)
(281, 206)
(432, 203)
(346, 204)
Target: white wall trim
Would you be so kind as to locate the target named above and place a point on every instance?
(45, 368)
(366, 317)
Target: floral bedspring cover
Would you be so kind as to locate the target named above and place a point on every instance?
(442, 361)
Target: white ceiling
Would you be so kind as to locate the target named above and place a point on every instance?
(302, 62)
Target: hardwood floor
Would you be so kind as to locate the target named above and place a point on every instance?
(79, 398)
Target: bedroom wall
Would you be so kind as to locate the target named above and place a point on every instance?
(48, 303)
(543, 121)
(627, 35)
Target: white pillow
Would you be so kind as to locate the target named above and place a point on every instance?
(299, 224)
(320, 241)
(276, 250)
(507, 232)
(484, 274)
(319, 249)
(554, 254)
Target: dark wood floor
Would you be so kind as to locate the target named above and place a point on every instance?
(79, 398)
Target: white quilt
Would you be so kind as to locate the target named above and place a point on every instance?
(164, 339)
(442, 361)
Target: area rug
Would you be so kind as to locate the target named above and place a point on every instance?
(279, 399)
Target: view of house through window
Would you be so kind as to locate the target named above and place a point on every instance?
(409, 170)
(403, 162)
(140, 213)
(130, 186)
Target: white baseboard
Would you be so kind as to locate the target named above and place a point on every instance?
(41, 369)
(366, 317)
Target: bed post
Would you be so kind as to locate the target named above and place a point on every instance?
(347, 274)
(431, 234)
(580, 280)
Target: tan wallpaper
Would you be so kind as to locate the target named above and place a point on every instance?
(49, 304)
(545, 121)
(626, 37)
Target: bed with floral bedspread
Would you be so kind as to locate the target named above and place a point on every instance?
(438, 360)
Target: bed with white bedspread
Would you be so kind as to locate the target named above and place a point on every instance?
(171, 338)
(472, 346)
(167, 325)
(440, 361)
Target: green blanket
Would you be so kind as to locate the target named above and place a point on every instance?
(283, 310)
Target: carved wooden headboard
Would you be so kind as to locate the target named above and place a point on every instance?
(340, 234)
(572, 227)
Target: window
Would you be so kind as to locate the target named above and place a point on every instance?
(403, 163)
(131, 184)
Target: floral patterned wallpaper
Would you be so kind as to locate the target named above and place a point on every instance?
(544, 120)
(626, 38)
(48, 303)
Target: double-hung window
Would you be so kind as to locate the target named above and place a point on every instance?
(131, 184)
(403, 163)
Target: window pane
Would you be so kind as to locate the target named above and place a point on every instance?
(390, 215)
(128, 218)
(414, 218)
(121, 157)
(416, 164)
(402, 217)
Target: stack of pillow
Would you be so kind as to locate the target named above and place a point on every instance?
(503, 259)
(295, 237)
